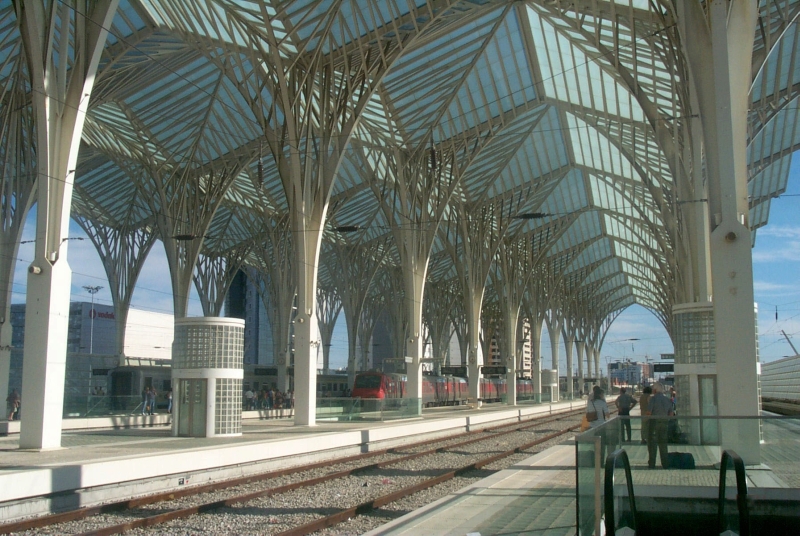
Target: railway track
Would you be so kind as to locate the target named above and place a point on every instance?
(781, 407)
(149, 511)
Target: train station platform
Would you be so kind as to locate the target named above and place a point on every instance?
(539, 494)
(536, 496)
(95, 466)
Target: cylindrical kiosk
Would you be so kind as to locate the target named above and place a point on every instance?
(549, 385)
(207, 372)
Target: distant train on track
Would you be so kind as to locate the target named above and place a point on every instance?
(436, 390)
(130, 381)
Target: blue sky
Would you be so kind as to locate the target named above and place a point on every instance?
(776, 266)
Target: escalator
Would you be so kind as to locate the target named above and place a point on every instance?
(728, 522)
(619, 502)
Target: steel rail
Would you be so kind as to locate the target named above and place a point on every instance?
(365, 507)
(165, 517)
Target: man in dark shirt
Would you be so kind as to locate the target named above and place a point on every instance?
(659, 407)
(625, 403)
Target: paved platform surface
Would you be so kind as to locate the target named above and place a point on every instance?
(536, 496)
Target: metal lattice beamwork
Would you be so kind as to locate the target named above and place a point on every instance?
(274, 135)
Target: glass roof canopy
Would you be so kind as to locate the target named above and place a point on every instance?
(537, 101)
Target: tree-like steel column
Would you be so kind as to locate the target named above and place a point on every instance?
(477, 231)
(17, 173)
(414, 202)
(123, 252)
(62, 47)
(329, 305)
(274, 276)
(214, 274)
(554, 321)
(513, 269)
(374, 305)
(354, 266)
(533, 304)
(719, 47)
(436, 312)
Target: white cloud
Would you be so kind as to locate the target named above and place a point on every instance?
(780, 231)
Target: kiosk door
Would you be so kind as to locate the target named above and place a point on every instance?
(192, 408)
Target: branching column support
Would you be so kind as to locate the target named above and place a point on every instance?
(62, 49)
(396, 311)
(568, 332)
(355, 266)
(581, 356)
(17, 173)
(185, 215)
(274, 277)
(513, 268)
(123, 252)
(423, 183)
(374, 305)
(535, 309)
(214, 275)
(436, 310)
(459, 320)
(329, 305)
(724, 37)
(472, 240)
(554, 322)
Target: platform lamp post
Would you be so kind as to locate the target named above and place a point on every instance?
(92, 290)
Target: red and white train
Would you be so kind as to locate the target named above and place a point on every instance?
(436, 390)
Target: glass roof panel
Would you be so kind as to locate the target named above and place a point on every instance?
(500, 81)
(568, 196)
(569, 75)
(447, 64)
(599, 249)
(782, 63)
(592, 149)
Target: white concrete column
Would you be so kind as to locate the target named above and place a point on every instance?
(414, 370)
(554, 341)
(45, 354)
(60, 97)
(474, 356)
(720, 55)
(581, 355)
(536, 358)
(596, 358)
(570, 341)
(305, 373)
(5, 359)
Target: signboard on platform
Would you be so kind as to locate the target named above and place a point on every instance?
(663, 367)
(493, 370)
(667, 356)
(454, 371)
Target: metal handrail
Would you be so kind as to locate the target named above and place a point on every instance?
(741, 493)
(611, 464)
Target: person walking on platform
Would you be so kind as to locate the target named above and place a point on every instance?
(658, 406)
(145, 400)
(151, 401)
(13, 405)
(643, 401)
(597, 414)
(625, 403)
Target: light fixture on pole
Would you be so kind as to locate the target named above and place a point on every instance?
(92, 290)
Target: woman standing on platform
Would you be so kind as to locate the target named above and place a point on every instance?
(597, 414)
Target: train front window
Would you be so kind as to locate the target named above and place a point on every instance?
(368, 382)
